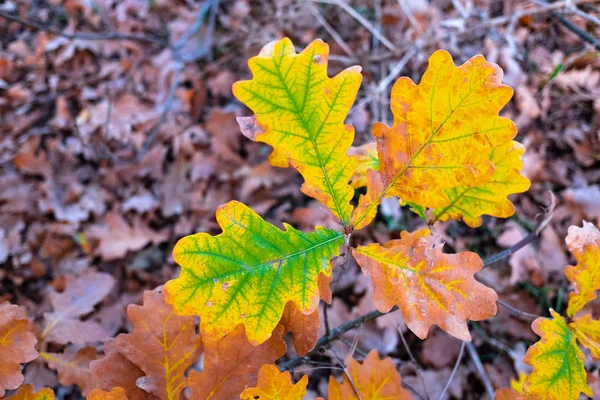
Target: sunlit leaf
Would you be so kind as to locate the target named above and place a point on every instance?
(443, 131)
(558, 370)
(584, 244)
(163, 344)
(300, 112)
(430, 287)
(26, 392)
(17, 345)
(490, 198)
(374, 379)
(276, 385)
(587, 331)
(248, 273)
(367, 159)
(115, 394)
(74, 368)
(232, 364)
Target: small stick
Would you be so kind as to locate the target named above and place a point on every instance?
(479, 366)
(456, 364)
(414, 361)
(521, 314)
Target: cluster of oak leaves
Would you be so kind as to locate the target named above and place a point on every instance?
(448, 156)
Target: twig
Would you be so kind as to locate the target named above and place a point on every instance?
(326, 319)
(332, 32)
(414, 361)
(456, 364)
(83, 35)
(479, 366)
(521, 314)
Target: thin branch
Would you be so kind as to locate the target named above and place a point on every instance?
(456, 364)
(332, 32)
(82, 35)
(520, 314)
(414, 361)
(479, 366)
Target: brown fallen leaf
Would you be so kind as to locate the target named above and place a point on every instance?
(305, 328)
(74, 368)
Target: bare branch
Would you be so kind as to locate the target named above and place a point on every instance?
(456, 364)
(479, 366)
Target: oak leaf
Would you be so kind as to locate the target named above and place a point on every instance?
(443, 131)
(375, 379)
(17, 345)
(248, 273)
(114, 369)
(63, 325)
(304, 327)
(584, 244)
(428, 286)
(74, 368)
(558, 370)
(490, 198)
(275, 385)
(163, 344)
(587, 331)
(232, 363)
(117, 393)
(366, 156)
(300, 112)
(27, 392)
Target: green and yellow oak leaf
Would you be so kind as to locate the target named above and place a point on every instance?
(428, 286)
(443, 131)
(490, 198)
(375, 379)
(584, 244)
(276, 385)
(558, 369)
(17, 345)
(26, 392)
(366, 156)
(300, 112)
(163, 344)
(247, 274)
(587, 331)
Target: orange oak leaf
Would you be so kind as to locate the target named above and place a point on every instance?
(115, 370)
(26, 392)
(74, 369)
(163, 344)
(442, 133)
(304, 327)
(587, 331)
(17, 345)
(232, 364)
(428, 286)
(367, 159)
(117, 393)
(375, 379)
(63, 325)
(275, 385)
(584, 244)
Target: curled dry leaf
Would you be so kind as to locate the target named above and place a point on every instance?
(444, 129)
(558, 370)
(232, 364)
(164, 345)
(26, 392)
(247, 274)
(115, 394)
(300, 112)
(584, 244)
(430, 287)
(63, 325)
(276, 385)
(74, 368)
(373, 379)
(17, 345)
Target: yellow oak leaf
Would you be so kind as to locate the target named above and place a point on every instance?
(587, 331)
(584, 244)
(367, 159)
(26, 392)
(300, 112)
(17, 345)
(558, 370)
(518, 385)
(116, 393)
(276, 385)
(375, 379)
(163, 344)
(247, 274)
(428, 286)
(443, 131)
(470, 203)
